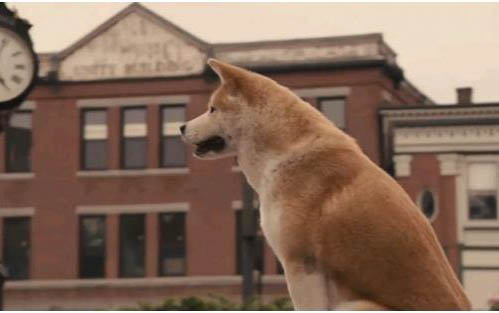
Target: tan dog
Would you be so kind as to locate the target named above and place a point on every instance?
(347, 234)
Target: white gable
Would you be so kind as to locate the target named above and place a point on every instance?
(135, 46)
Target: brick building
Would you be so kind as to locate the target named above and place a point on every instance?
(103, 206)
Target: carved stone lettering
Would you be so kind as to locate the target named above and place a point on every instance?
(134, 47)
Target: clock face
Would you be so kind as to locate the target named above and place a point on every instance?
(16, 65)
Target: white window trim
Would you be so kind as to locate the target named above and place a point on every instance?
(17, 212)
(132, 101)
(133, 208)
(463, 201)
(135, 172)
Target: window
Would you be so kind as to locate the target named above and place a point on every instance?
(259, 245)
(134, 138)
(482, 191)
(132, 245)
(172, 244)
(172, 148)
(16, 246)
(94, 140)
(18, 142)
(92, 246)
(334, 110)
(428, 205)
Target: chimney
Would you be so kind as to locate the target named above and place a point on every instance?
(464, 95)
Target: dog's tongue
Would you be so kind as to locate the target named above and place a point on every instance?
(215, 143)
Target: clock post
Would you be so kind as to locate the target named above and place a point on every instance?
(18, 63)
(18, 73)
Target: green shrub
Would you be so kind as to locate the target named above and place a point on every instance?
(213, 303)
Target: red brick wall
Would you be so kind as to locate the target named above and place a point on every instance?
(210, 187)
(425, 174)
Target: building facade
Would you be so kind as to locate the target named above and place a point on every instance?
(104, 206)
(446, 158)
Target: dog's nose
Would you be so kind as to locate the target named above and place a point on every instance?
(182, 129)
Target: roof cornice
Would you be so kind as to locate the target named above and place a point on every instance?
(442, 111)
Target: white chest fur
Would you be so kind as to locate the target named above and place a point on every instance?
(270, 217)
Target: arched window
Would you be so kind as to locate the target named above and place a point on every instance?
(428, 204)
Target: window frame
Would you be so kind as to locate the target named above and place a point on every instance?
(120, 244)
(123, 138)
(30, 241)
(161, 244)
(319, 101)
(161, 136)
(6, 144)
(464, 214)
(83, 140)
(80, 244)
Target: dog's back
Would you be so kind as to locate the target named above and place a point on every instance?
(367, 233)
(391, 254)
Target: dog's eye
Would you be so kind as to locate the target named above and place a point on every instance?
(212, 109)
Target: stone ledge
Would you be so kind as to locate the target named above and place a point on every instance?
(142, 172)
(16, 176)
(222, 280)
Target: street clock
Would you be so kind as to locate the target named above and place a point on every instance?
(18, 61)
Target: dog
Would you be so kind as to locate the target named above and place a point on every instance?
(348, 236)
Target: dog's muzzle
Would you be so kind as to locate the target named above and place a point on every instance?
(215, 144)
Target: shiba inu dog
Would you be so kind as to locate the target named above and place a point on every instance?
(347, 234)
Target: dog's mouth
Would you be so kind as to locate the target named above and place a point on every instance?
(215, 144)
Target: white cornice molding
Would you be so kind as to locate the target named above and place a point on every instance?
(477, 138)
(402, 165)
(443, 111)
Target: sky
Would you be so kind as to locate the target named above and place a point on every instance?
(440, 47)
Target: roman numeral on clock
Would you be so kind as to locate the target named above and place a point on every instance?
(16, 79)
(20, 66)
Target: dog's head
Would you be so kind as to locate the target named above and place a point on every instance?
(216, 132)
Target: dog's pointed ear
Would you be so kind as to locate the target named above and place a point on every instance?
(226, 72)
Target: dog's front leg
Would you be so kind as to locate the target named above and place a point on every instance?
(307, 285)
